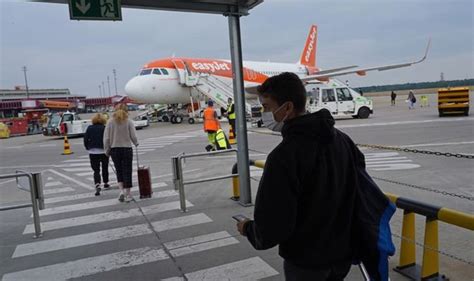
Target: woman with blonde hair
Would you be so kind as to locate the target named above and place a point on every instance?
(118, 138)
(93, 142)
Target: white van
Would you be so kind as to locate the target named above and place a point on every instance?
(340, 100)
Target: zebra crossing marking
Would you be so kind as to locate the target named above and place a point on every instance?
(57, 190)
(180, 222)
(91, 195)
(52, 183)
(89, 266)
(249, 269)
(388, 161)
(105, 217)
(96, 204)
(72, 180)
(200, 243)
(80, 240)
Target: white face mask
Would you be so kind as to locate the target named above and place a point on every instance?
(268, 120)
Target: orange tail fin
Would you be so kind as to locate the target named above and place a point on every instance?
(308, 56)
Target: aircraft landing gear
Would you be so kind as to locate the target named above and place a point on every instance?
(176, 119)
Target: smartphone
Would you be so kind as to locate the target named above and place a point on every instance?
(239, 218)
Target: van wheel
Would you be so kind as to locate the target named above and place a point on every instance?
(191, 121)
(165, 118)
(178, 119)
(363, 113)
(173, 119)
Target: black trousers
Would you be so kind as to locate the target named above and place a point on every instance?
(96, 161)
(232, 123)
(334, 273)
(123, 157)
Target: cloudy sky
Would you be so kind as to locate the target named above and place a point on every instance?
(60, 53)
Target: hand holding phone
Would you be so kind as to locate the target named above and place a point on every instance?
(240, 218)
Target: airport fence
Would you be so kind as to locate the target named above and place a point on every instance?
(407, 266)
(34, 185)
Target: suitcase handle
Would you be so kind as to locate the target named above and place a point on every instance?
(136, 153)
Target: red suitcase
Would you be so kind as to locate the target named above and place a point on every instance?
(144, 180)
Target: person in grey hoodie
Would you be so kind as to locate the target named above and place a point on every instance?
(119, 136)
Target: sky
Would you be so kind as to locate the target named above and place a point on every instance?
(79, 55)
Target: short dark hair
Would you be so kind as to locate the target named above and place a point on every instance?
(285, 87)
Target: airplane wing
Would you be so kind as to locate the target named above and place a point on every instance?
(325, 75)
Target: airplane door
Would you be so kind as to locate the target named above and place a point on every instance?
(345, 101)
(328, 100)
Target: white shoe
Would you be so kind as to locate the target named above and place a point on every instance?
(128, 198)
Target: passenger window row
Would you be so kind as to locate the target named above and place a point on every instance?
(156, 71)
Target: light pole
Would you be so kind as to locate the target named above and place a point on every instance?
(26, 83)
(115, 80)
(108, 84)
(100, 91)
(103, 89)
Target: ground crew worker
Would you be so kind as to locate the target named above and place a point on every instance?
(221, 140)
(231, 115)
(211, 124)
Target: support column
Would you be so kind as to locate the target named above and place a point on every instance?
(240, 112)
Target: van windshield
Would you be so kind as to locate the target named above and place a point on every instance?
(54, 120)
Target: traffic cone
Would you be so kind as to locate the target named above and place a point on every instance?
(67, 147)
(231, 136)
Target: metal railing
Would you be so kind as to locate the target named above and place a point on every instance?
(178, 179)
(35, 187)
(429, 270)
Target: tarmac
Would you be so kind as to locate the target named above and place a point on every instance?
(87, 237)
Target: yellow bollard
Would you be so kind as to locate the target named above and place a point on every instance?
(235, 189)
(430, 264)
(67, 147)
(407, 247)
(232, 139)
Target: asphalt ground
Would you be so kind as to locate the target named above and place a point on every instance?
(97, 238)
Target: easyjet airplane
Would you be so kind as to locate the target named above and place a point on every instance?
(174, 80)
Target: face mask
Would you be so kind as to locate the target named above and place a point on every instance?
(268, 120)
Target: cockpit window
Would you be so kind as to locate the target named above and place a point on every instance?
(157, 71)
(165, 72)
(145, 72)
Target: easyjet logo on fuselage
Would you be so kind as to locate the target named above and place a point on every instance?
(312, 37)
(211, 66)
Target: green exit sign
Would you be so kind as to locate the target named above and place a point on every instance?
(95, 10)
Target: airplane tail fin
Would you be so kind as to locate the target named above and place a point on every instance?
(308, 56)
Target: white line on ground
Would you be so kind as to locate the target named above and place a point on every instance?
(104, 217)
(391, 167)
(47, 145)
(381, 154)
(179, 222)
(200, 243)
(74, 160)
(406, 122)
(57, 190)
(3, 182)
(167, 175)
(80, 240)
(145, 150)
(249, 269)
(89, 266)
(438, 144)
(384, 158)
(52, 183)
(72, 180)
(96, 204)
(372, 163)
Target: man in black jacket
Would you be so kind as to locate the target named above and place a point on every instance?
(306, 197)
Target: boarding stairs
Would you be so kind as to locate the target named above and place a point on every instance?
(208, 85)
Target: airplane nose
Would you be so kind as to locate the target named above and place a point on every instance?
(133, 88)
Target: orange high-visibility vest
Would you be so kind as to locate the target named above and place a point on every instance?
(210, 121)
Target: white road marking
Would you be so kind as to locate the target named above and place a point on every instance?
(406, 122)
(438, 144)
(388, 162)
(384, 158)
(134, 169)
(167, 175)
(89, 266)
(249, 269)
(47, 145)
(380, 154)
(145, 150)
(200, 243)
(179, 222)
(80, 240)
(57, 190)
(72, 180)
(103, 217)
(79, 169)
(74, 160)
(390, 167)
(96, 204)
(52, 183)
(3, 182)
